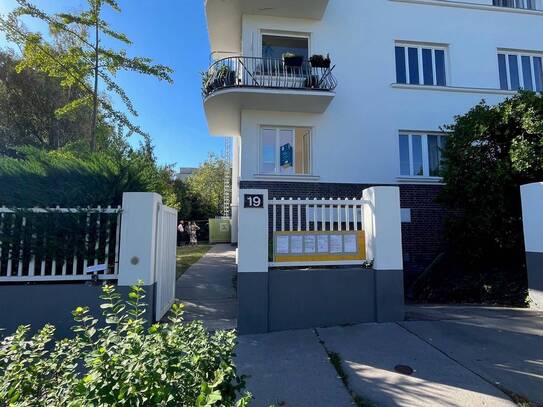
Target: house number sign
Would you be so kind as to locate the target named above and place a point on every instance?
(254, 201)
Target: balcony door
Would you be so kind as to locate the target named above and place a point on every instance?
(274, 46)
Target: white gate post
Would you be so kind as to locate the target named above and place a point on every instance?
(383, 230)
(253, 261)
(138, 237)
(532, 217)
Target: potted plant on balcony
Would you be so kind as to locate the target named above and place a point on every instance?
(318, 61)
(225, 76)
(292, 60)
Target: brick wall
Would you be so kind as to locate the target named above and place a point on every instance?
(422, 238)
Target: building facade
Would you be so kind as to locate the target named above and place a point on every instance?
(398, 71)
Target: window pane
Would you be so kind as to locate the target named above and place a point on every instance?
(427, 68)
(286, 151)
(413, 54)
(434, 156)
(513, 71)
(302, 151)
(405, 167)
(538, 74)
(274, 46)
(503, 72)
(527, 72)
(418, 169)
(440, 67)
(401, 76)
(267, 159)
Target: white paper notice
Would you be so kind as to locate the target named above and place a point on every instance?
(322, 243)
(282, 244)
(310, 243)
(297, 244)
(336, 244)
(350, 243)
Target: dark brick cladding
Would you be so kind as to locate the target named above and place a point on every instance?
(422, 238)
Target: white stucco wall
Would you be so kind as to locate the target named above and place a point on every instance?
(356, 139)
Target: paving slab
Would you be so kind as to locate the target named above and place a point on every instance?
(289, 369)
(370, 353)
(503, 345)
(207, 289)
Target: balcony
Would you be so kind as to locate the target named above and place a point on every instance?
(236, 83)
(224, 17)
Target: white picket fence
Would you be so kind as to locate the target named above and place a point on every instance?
(165, 260)
(313, 215)
(23, 245)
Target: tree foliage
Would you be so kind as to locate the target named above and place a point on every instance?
(32, 177)
(120, 362)
(29, 101)
(491, 152)
(84, 61)
(201, 195)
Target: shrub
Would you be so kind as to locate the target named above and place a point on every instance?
(491, 152)
(122, 363)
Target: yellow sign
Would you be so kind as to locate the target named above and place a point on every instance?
(318, 246)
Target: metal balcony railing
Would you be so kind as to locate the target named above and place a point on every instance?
(254, 72)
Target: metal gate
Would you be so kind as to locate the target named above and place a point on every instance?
(165, 260)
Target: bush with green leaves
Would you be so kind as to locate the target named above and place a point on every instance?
(121, 362)
(491, 151)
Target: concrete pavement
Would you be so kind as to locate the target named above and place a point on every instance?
(208, 289)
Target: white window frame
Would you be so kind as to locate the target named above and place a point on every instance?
(420, 46)
(425, 153)
(519, 54)
(278, 33)
(277, 150)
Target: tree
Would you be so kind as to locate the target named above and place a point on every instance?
(85, 62)
(201, 195)
(28, 103)
(491, 151)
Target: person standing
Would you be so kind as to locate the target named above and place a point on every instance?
(180, 233)
(193, 234)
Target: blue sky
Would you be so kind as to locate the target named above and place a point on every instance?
(173, 33)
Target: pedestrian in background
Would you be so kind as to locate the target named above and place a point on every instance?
(180, 233)
(193, 234)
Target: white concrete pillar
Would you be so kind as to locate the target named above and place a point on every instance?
(532, 217)
(235, 187)
(253, 261)
(253, 232)
(383, 227)
(138, 238)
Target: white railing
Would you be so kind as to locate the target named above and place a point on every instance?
(59, 244)
(165, 260)
(317, 232)
(313, 215)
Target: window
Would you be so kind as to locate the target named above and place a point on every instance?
(526, 4)
(520, 70)
(420, 65)
(285, 151)
(274, 46)
(420, 154)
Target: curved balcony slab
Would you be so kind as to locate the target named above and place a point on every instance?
(224, 17)
(223, 107)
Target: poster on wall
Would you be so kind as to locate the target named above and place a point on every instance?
(321, 246)
(286, 158)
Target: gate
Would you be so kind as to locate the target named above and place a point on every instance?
(165, 260)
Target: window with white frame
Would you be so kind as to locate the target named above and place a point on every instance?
(285, 150)
(520, 70)
(419, 64)
(421, 154)
(525, 4)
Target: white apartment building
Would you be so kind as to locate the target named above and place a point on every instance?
(399, 71)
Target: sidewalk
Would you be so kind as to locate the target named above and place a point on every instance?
(208, 289)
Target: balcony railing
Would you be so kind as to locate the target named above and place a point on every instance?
(269, 73)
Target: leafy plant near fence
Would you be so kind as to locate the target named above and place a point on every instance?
(121, 364)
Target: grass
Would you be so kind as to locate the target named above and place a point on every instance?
(188, 255)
